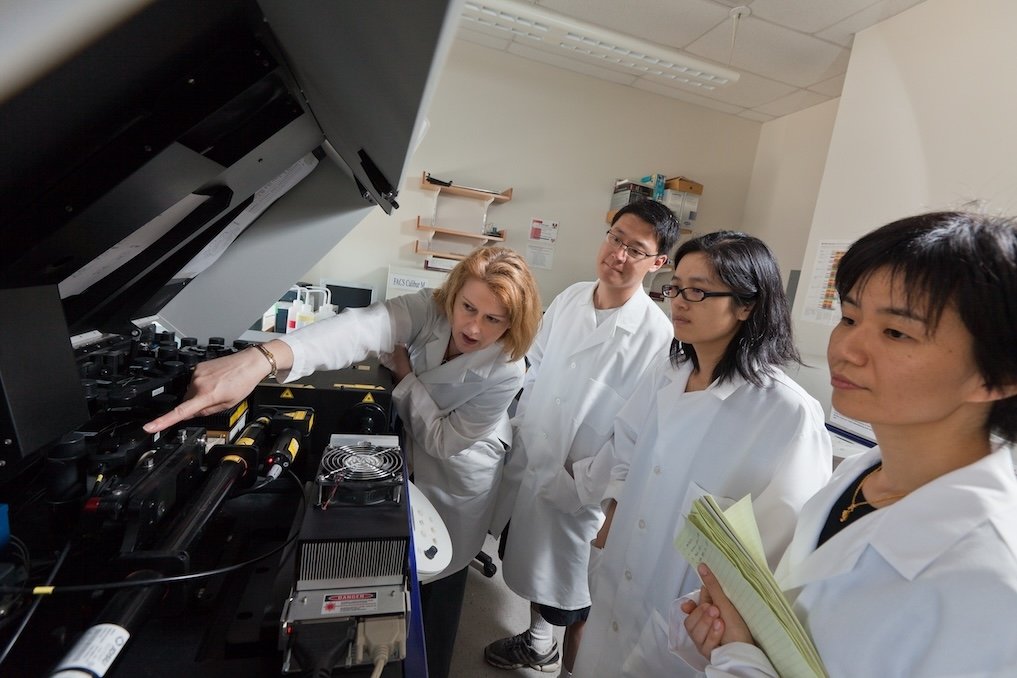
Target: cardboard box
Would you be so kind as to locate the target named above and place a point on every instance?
(689, 210)
(626, 191)
(630, 185)
(673, 200)
(684, 185)
(656, 183)
(622, 198)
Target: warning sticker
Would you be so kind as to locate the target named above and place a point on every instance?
(349, 603)
(287, 394)
(368, 398)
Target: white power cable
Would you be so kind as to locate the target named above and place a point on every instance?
(736, 14)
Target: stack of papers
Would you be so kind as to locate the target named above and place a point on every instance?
(729, 543)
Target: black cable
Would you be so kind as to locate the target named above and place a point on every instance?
(258, 488)
(35, 604)
(87, 588)
(323, 669)
(316, 650)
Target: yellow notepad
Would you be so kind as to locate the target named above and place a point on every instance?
(729, 543)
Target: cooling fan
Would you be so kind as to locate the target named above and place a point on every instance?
(360, 474)
(352, 554)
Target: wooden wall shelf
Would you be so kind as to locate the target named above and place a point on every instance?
(465, 191)
(446, 255)
(469, 217)
(483, 237)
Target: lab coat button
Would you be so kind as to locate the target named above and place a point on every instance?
(628, 574)
(572, 366)
(656, 469)
(557, 401)
(642, 524)
(614, 626)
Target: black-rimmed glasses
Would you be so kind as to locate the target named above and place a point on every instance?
(693, 294)
(630, 251)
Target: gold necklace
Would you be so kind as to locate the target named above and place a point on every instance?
(846, 513)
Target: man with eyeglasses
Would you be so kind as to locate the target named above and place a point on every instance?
(595, 341)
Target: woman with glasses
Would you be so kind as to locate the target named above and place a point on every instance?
(717, 415)
(906, 563)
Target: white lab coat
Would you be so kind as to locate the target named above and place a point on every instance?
(580, 376)
(731, 439)
(924, 587)
(455, 415)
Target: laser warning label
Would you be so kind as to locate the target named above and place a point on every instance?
(349, 603)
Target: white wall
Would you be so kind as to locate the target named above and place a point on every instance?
(785, 181)
(925, 123)
(559, 139)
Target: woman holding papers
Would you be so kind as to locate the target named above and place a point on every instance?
(457, 356)
(906, 563)
(717, 413)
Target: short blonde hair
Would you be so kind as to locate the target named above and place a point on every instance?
(508, 277)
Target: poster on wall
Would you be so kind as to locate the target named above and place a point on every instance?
(540, 247)
(821, 303)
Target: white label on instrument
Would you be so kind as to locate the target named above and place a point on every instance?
(97, 649)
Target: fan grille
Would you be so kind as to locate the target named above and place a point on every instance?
(362, 461)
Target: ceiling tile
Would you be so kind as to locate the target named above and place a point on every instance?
(774, 52)
(751, 91)
(796, 101)
(688, 97)
(831, 88)
(755, 115)
(665, 22)
(691, 86)
(807, 17)
(570, 64)
(843, 32)
(783, 46)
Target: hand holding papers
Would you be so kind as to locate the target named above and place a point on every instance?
(729, 543)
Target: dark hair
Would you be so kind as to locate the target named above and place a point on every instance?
(764, 340)
(657, 215)
(958, 259)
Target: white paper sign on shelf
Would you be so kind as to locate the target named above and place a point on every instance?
(408, 281)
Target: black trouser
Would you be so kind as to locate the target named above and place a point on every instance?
(441, 602)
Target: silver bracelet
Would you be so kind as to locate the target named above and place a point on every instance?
(270, 358)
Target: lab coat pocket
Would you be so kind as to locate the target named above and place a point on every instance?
(652, 655)
(597, 408)
(695, 491)
(474, 472)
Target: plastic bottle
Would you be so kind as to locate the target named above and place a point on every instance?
(305, 313)
(296, 308)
